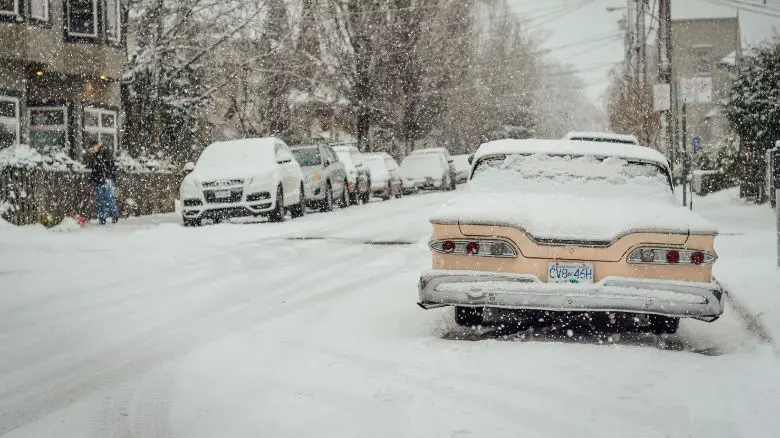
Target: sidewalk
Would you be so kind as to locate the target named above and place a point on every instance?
(746, 249)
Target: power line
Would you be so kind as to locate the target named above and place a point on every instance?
(750, 7)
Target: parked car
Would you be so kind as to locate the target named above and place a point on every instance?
(249, 177)
(424, 172)
(450, 183)
(385, 176)
(325, 176)
(604, 137)
(554, 226)
(462, 168)
(358, 174)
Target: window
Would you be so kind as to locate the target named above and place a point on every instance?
(100, 125)
(113, 20)
(9, 121)
(82, 18)
(39, 10)
(703, 61)
(9, 8)
(49, 128)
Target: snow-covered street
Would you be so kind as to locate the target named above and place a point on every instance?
(310, 328)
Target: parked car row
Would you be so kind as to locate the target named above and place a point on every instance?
(265, 177)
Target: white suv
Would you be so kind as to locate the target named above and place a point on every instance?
(248, 177)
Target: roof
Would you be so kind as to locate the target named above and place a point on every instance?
(571, 147)
(623, 138)
(730, 59)
(347, 148)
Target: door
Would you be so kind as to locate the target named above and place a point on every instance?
(336, 170)
(287, 170)
(395, 178)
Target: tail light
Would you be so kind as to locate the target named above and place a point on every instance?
(671, 256)
(475, 247)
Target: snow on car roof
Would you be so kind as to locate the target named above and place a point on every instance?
(570, 147)
(242, 151)
(623, 138)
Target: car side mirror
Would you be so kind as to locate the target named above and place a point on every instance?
(471, 159)
(326, 163)
(188, 168)
(283, 160)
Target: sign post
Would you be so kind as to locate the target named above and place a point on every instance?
(695, 148)
(776, 183)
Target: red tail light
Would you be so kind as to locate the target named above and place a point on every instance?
(472, 248)
(673, 256)
(697, 257)
(448, 246)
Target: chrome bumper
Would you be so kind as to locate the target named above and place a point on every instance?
(683, 299)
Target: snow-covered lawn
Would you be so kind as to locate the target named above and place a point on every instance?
(310, 328)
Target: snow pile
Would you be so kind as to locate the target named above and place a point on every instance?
(25, 157)
(68, 224)
(143, 164)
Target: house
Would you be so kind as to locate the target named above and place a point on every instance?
(61, 63)
(705, 54)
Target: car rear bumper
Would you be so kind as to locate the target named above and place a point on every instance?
(683, 299)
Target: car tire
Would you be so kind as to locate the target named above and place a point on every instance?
(366, 196)
(469, 316)
(277, 215)
(191, 222)
(344, 201)
(327, 203)
(399, 193)
(299, 209)
(663, 325)
(389, 193)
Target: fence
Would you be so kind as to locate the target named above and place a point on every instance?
(29, 194)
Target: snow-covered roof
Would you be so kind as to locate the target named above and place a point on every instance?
(712, 113)
(570, 147)
(621, 138)
(730, 59)
(243, 156)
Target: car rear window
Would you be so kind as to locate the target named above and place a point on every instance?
(571, 173)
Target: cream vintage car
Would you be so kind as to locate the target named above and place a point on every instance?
(571, 226)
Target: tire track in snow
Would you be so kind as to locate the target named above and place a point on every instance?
(752, 323)
(59, 389)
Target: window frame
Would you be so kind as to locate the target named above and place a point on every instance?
(116, 39)
(64, 127)
(95, 14)
(15, 13)
(47, 11)
(700, 54)
(100, 130)
(18, 120)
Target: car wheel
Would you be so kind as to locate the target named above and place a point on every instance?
(399, 193)
(388, 193)
(327, 203)
(469, 316)
(661, 325)
(191, 222)
(367, 194)
(278, 214)
(344, 201)
(299, 210)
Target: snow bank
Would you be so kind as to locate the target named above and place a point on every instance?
(23, 156)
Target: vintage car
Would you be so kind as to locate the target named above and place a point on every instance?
(549, 226)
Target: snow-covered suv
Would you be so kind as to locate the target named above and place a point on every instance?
(248, 177)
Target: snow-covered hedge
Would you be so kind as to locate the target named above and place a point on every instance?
(25, 157)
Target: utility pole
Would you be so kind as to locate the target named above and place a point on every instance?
(685, 154)
(641, 39)
(665, 72)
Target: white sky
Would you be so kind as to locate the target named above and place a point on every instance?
(591, 20)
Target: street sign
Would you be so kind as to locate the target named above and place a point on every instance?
(696, 144)
(696, 90)
(662, 100)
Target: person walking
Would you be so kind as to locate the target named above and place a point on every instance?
(100, 161)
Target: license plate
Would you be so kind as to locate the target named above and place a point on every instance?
(222, 194)
(570, 273)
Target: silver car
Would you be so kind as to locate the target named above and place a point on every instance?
(325, 178)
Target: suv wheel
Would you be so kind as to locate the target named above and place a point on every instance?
(344, 201)
(366, 196)
(278, 214)
(191, 222)
(327, 203)
(469, 316)
(299, 210)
